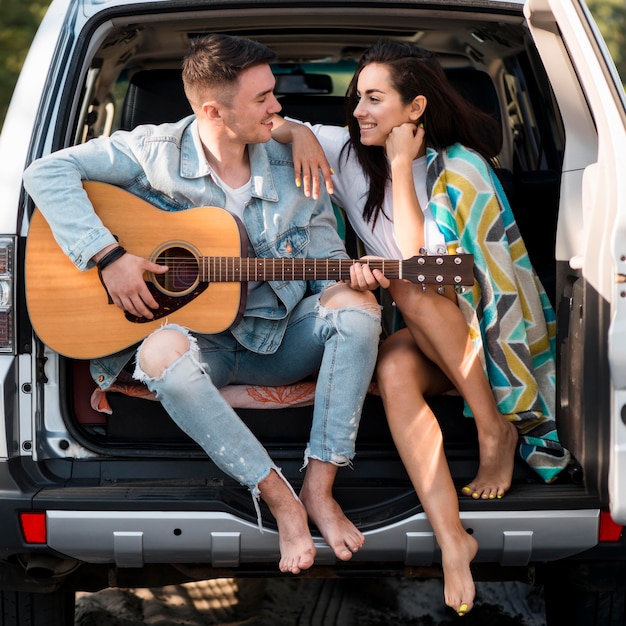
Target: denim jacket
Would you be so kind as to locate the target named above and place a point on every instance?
(165, 165)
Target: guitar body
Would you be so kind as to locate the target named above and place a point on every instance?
(205, 250)
(70, 310)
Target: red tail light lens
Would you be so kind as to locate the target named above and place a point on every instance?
(33, 527)
(609, 530)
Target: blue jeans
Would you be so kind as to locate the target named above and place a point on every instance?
(340, 344)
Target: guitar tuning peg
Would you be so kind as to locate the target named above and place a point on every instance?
(441, 290)
(441, 250)
(439, 261)
(459, 289)
(421, 278)
(458, 260)
(458, 279)
(423, 251)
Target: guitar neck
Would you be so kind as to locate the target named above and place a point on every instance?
(234, 269)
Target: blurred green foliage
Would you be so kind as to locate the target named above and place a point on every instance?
(19, 20)
(610, 15)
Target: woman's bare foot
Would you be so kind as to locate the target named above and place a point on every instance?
(497, 456)
(458, 583)
(341, 535)
(297, 550)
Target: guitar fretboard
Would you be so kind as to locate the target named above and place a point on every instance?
(233, 269)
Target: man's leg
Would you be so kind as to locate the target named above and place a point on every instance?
(169, 362)
(335, 335)
(351, 335)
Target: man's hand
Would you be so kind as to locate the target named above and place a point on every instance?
(124, 280)
(363, 278)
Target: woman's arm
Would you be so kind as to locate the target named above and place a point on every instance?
(403, 145)
(309, 158)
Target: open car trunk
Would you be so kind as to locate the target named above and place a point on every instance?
(121, 448)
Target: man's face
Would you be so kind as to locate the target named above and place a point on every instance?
(253, 104)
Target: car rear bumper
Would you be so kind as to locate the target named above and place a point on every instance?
(134, 538)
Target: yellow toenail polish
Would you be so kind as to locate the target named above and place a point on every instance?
(499, 497)
(491, 496)
(462, 610)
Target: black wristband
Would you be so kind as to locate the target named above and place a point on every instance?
(110, 257)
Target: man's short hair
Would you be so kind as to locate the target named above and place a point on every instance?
(218, 60)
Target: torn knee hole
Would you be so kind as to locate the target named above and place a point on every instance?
(161, 349)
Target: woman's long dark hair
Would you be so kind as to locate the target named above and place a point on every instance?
(448, 117)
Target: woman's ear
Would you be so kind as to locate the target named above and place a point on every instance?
(418, 106)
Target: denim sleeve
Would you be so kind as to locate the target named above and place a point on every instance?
(325, 241)
(55, 184)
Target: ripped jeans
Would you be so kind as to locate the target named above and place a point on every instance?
(340, 344)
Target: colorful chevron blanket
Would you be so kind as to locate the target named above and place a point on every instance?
(511, 320)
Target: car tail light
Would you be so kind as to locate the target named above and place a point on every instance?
(609, 530)
(7, 265)
(34, 527)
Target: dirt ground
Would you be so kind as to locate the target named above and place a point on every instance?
(307, 602)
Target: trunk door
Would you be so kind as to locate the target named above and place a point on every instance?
(591, 233)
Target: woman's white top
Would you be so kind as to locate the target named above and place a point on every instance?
(351, 187)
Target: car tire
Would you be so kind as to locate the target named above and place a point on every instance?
(19, 608)
(586, 595)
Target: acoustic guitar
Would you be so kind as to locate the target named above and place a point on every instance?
(204, 288)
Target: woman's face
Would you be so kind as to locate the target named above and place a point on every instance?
(380, 107)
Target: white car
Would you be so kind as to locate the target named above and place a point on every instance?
(100, 490)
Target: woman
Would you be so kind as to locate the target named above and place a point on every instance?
(412, 173)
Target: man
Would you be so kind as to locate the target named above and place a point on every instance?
(223, 156)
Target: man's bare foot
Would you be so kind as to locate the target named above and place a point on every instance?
(341, 535)
(297, 550)
(495, 471)
(458, 583)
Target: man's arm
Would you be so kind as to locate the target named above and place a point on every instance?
(55, 184)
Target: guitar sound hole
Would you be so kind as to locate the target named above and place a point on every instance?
(182, 274)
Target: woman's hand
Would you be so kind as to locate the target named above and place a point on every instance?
(309, 159)
(364, 278)
(405, 142)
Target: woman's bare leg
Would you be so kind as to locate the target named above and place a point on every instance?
(405, 378)
(439, 329)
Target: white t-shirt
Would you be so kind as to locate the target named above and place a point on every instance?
(351, 187)
(236, 200)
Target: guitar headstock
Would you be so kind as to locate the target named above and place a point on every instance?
(440, 269)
